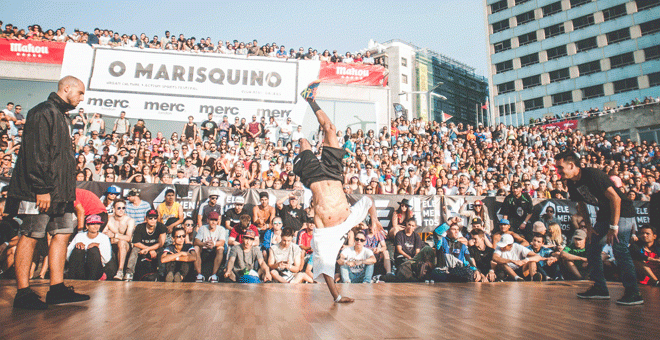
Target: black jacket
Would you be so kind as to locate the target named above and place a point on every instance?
(46, 161)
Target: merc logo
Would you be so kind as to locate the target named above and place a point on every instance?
(123, 103)
(156, 106)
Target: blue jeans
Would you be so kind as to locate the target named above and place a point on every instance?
(621, 253)
(361, 277)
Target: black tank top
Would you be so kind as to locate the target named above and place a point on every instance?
(190, 130)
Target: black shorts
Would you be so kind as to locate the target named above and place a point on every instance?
(311, 170)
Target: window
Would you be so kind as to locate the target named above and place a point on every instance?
(593, 92)
(650, 27)
(589, 68)
(625, 85)
(506, 87)
(559, 75)
(504, 66)
(649, 134)
(519, 2)
(525, 17)
(554, 30)
(646, 4)
(551, 9)
(527, 39)
(531, 81)
(503, 46)
(618, 36)
(533, 104)
(614, 12)
(529, 59)
(562, 98)
(622, 60)
(654, 79)
(578, 3)
(498, 6)
(507, 109)
(583, 22)
(557, 52)
(500, 26)
(404, 78)
(652, 53)
(404, 62)
(586, 44)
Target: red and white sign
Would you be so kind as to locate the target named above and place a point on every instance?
(32, 51)
(563, 125)
(359, 74)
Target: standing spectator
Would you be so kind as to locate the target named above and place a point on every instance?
(176, 257)
(293, 215)
(209, 128)
(357, 262)
(210, 245)
(120, 229)
(286, 130)
(285, 260)
(148, 238)
(136, 208)
(517, 208)
(254, 129)
(87, 204)
(407, 243)
(43, 183)
(89, 252)
(96, 124)
(246, 264)
(263, 214)
(122, 125)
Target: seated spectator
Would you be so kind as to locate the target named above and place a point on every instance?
(210, 246)
(477, 224)
(400, 216)
(285, 260)
(504, 228)
(89, 252)
(136, 208)
(515, 261)
(263, 214)
(407, 243)
(376, 243)
(554, 238)
(236, 234)
(120, 229)
(271, 236)
(574, 257)
(646, 255)
(207, 207)
(549, 265)
(148, 238)
(170, 212)
(482, 255)
(304, 238)
(453, 257)
(441, 230)
(293, 215)
(357, 262)
(232, 217)
(480, 211)
(8, 238)
(245, 263)
(176, 257)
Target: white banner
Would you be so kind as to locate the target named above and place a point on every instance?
(170, 85)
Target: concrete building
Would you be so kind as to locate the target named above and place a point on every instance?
(414, 69)
(552, 56)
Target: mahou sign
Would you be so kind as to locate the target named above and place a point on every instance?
(358, 74)
(29, 51)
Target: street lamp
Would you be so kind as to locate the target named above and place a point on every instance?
(429, 93)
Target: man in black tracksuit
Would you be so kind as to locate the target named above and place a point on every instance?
(517, 208)
(42, 191)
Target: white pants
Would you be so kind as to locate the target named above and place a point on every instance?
(326, 242)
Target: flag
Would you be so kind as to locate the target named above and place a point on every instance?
(485, 106)
(446, 116)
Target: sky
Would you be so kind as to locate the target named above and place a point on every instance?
(454, 28)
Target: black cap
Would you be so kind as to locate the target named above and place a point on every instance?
(516, 185)
(477, 220)
(152, 212)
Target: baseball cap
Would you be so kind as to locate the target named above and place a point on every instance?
(134, 192)
(538, 227)
(112, 190)
(249, 232)
(152, 212)
(504, 221)
(516, 185)
(239, 200)
(93, 219)
(477, 220)
(580, 234)
(213, 215)
(478, 202)
(506, 240)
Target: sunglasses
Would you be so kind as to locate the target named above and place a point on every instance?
(249, 238)
(188, 224)
(152, 218)
(180, 236)
(360, 239)
(120, 208)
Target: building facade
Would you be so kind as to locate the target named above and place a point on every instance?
(548, 57)
(413, 71)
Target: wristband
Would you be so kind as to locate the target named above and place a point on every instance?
(338, 298)
(614, 227)
(315, 107)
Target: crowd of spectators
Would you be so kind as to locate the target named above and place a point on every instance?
(107, 37)
(594, 111)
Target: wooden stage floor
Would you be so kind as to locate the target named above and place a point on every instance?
(148, 310)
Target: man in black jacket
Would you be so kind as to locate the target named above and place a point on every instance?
(42, 191)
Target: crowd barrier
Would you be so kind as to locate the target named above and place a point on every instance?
(430, 210)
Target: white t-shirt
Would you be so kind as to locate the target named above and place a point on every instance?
(516, 253)
(350, 255)
(102, 239)
(272, 132)
(205, 235)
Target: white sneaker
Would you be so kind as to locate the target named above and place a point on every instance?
(200, 278)
(213, 278)
(128, 277)
(120, 275)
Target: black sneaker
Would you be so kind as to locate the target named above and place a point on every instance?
(595, 293)
(630, 299)
(28, 299)
(64, 294)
